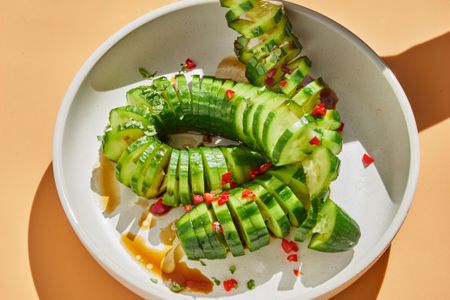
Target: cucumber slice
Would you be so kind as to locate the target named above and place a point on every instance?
(335, 230)
(331, 120)
(277, 121)
(237, 10)
(205, 217)
(271, 211)
(184, 94)
(261, 113)
(166, 89)
(184, 189)
(130, 113)
(115, 141)
(198, 219)
(196, 171)
(230, 233)
(225, 129)
(291, 205)
(154, 174)
(188, 238)
(240, 104)
(215, 104)
(249, 113)
(300, 67)
(231, 3)
(242, 217)
(203, 104)
(213, 172)
(294, 176)
(171, 196)
(142, 165)
(239, 161)
(255, 217)
(293, 144)
(330, 139)
(195, 96)
(222, 167)
(137, 97)
(129, 158)
(307, 98)
(305, 229)
(258, 20)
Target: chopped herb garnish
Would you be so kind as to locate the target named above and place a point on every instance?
(232, 269)
(202, 262)
(99, 138)
(154, 280)
(146, 74)
(176, 287)
(216, 281)
(251, 284)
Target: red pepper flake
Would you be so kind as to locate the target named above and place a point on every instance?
(252, 173)
(209, 198)
(226, 178)
(292, 257)
(189, 64)
(367, 159)
(289, 246)
(230, 284)
(246, 193)
(197, 199)
(314, 141)
(264, 167)
(286, 69)
(233, 184)
(217, 227)
(187, 207)
(271, 73)
(319, 110)
(268, 81)
(283, 83)
(297, 273)
(224, 197)
(158, 208)
(229, 94)
(341, 128)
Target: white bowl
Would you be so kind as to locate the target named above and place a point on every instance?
(378, 119)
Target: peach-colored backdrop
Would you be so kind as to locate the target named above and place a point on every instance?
(42, 45)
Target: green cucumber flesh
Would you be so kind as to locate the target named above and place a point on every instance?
(188, 238)
(141, 166)
(170, 198)
(115, 141)
(305, 229)
(307, 98)
(184, 189)
(331, 120)
(154, 174)
(196, 171)
(335, 230)
(198, 219)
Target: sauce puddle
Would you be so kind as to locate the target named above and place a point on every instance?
(108, 187)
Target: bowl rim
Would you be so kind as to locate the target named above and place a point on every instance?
(330, 287)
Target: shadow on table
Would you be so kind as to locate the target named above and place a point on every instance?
(63, 269)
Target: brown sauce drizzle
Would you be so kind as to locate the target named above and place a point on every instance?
(190, 278)
(167, 234)
(109, 190)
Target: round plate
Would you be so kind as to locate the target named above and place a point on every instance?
(378, 120)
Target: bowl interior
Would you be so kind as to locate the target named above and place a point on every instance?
(372, 106)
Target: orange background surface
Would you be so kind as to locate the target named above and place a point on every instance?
(43, 44)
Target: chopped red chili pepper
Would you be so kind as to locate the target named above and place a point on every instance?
(252, 173)
(289, 246)
(233, 184)
(319, 110)
(283, 83)
(224, 197)
(189, 64)
(286, 69)
(292, 257)
(264, 167)
(297, 273)
(217, 227)
(268, 81)
(226, 178)
(271, 73)
(246, 193)
(197, 199)
(158, 208)
(209, 198)
(229, 284)
(367, 159)
(229, 94)
(314, 141)
(341, 128)
(187, 207)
